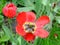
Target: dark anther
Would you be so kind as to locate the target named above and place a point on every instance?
(32, 29)
(29, 27)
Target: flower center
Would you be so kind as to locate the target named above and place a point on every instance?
(29, 27)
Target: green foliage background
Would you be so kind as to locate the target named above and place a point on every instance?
(40, 7)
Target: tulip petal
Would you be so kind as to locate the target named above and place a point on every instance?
(43, 20)
(9, 10)
(41, 33)
(29, 37)
(20, 30)
(30, 16)
(25, 17)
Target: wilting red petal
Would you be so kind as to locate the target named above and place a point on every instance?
(42, 21)
(41, 33)
(29, 37)
(20, 30)
(9, 10)
(25, 17)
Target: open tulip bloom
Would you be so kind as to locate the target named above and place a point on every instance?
(29, 27)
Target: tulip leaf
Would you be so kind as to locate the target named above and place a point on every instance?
(25, 9)
(44, 2)
(4, 38)
(52, 39)
(1, 19)
(21, 41)
(58, 19)
(2, 3)
(14, 1)
(9, 34)
(25, 2)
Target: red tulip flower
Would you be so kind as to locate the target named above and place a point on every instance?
(29, 27)
(9, 10)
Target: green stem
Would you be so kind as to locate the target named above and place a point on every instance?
(9, 22)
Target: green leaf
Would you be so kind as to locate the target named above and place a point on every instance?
(14, 1)
(57, 9)
(21, 41)
(2, 3)
(51, 16)
(32, 1)
(13, 43)
(25, 9)
(38, 41)
(21, 2)
(41, 41)
(25, 3)
(9, 34)
(1, 19)
(4, 38)
(28, 3)
(39, 8)
(45, 2)
(37, 5)
(57, 19)
(53, 40)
